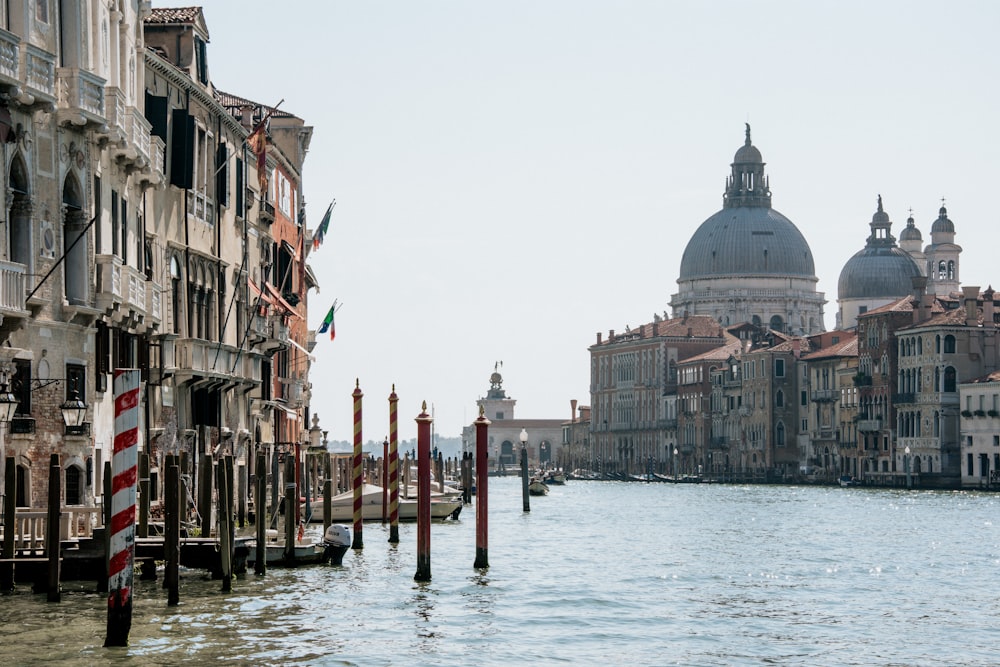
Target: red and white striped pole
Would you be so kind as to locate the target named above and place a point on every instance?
(424, 421)
(482, 465)
(393, 470)
(358, 480)
(124, 471)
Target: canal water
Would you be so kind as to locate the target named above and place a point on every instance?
(598, 573)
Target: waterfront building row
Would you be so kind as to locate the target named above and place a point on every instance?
(153, 222)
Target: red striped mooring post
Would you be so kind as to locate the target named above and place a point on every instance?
(393, 470)
(424, 421)
(124, 470)
(357, 480)
(384, 472)
(482, 468)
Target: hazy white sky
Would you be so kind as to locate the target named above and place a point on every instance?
(513, 177)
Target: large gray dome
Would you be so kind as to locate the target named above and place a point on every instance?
(750, 241)
(876, 272)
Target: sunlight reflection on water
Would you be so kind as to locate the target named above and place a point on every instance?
(597, 572)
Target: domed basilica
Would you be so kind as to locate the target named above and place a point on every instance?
(748, 262)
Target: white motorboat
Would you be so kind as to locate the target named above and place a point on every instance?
(537, 487)
(335, 544)
(342, 506)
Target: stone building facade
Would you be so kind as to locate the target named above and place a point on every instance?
(142, 235)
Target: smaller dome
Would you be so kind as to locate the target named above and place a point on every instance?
(877, 273)
(747, 152)
(910, 233)
(943, 224)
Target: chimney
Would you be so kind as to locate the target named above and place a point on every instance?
(797, 347)
(656, 327)
(988, 321)
(919, 291)
(690, 332)
(572, 407)
(611, 335)
(598, 337)
(970, 296)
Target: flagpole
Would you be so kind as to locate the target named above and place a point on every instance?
(244, 143)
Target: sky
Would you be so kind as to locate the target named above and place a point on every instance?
(513, 177)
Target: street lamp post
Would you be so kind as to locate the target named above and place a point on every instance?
(906, 463)
(673, 463)
(524, 470)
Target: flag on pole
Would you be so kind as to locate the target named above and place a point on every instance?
(328, 322)
(323, 226)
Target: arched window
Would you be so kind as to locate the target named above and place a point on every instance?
(949, 344)
(74, 485)
(175, 292)
(920, 345)
(937, 344)
(942, 270)
(951, 269)
(779, 435)
(777, 323)
(937, 423)
(779, 399)
(949, 379)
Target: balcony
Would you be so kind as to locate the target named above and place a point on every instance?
(81, 97)
(115, 106)
(668, 424)
(39, 70)
(870, 425)
(13, 310)
(718, 442)
(10, 59)
(687, 448)
(123, 293)
(152, 173)
(207, 363)
(154, 305)
(862, 380)
(908, 397)
(824, 395)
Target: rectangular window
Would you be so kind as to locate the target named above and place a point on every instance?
(996, 441)
(779, 368)
(114, 223)
(20, 386)
(76, 386)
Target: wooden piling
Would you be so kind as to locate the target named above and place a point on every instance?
(52, 542)
(172, 501)
(290, 502)
(393, 469)
(482, 495)
(357, 480)
(9, 508)
(102, 583)
(260, 515)
(327, 504)
(125, 465)
(143, 529)
(241, 496)
(424, 422)
(205, 475)
(225, 518)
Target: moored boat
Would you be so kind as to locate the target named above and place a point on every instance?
(342, 506)
(537, 487)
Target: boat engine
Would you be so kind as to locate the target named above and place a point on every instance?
(336, 542)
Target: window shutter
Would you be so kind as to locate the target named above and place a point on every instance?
(182, 149)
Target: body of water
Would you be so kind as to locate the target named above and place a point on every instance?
(598, 573)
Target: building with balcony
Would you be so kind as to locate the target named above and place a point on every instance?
(826, 392)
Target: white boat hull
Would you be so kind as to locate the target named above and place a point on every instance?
(342, 507)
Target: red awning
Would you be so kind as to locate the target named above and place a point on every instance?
(280, 300)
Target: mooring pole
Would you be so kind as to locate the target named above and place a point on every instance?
(9, 507)
(393, 470)
(172, 502)
(424, 422)
(524, 479)
(260, 515)
(121, 566)
(225, 517)
(54, 514)
(384, 478)
(482, 503)
(291, 500)
(358, 480)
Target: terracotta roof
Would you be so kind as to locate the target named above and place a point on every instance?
(989, 377)
(845, 348)
(953, 317)
(165, 15)
(728, 349)
(694, 326)
(903, 305)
